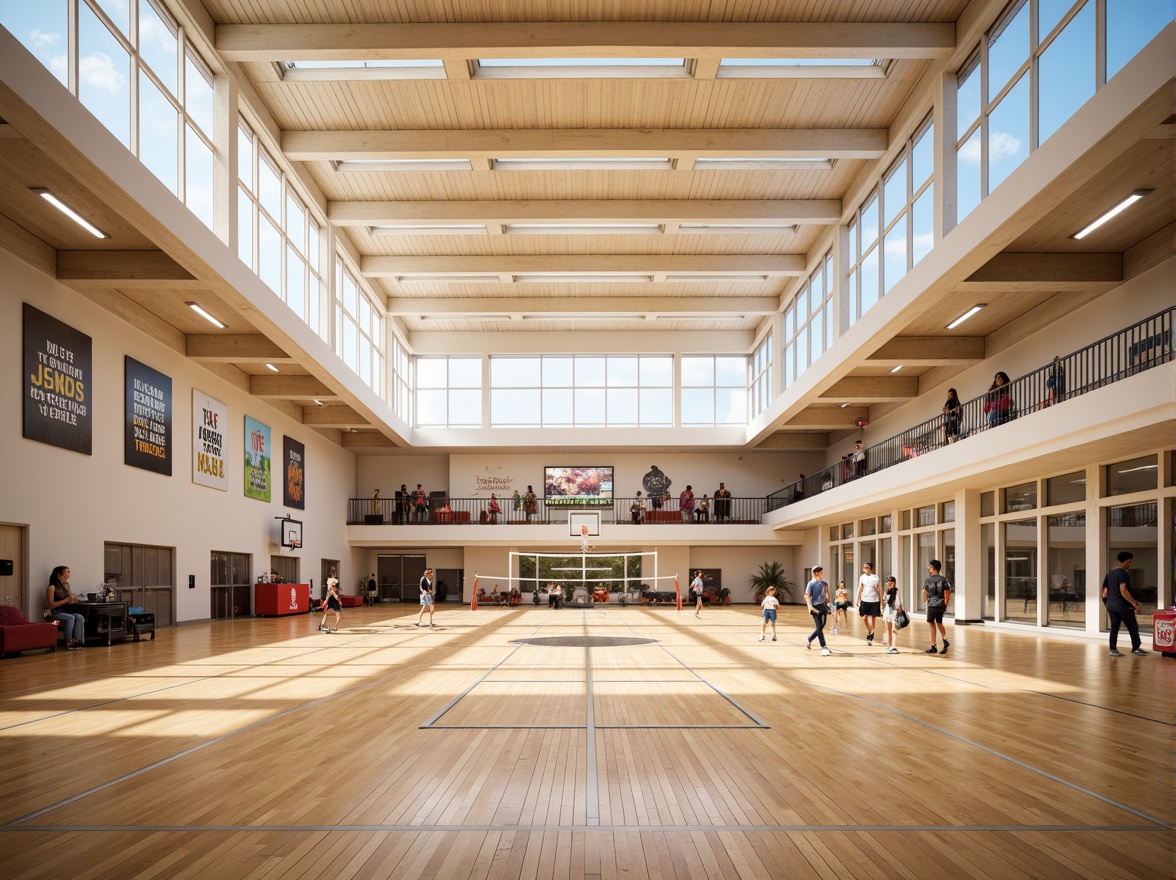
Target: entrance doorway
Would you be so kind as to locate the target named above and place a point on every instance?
(230, 590)
(13, 586)
(399, 577)
(143, 575)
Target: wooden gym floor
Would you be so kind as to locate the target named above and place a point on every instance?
(623, 742)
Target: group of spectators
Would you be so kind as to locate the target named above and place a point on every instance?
(690, 508)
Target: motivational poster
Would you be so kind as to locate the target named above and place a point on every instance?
(57, 383)
(147, 437)
(210, 421)
(257, 460)
(294, 484)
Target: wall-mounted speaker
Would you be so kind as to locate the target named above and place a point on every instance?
(6, 567)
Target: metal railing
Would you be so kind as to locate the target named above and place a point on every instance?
(1128, 352)
(475, 511)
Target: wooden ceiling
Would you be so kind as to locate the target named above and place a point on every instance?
(482, 273)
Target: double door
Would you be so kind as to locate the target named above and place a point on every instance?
(144, 576)
(399, 577)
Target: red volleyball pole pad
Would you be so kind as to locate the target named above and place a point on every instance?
(678, 592)
(474, 597)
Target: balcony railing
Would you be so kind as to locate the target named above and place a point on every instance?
(473, 511)
(1133, 350)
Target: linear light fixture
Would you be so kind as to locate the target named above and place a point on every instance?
(583, 277)
(318, 402)
(443, 278)
(354, 165)
(896, 369)
(583, 229)
(69, 212)
(966, 315)
(845, 406)
(207, 317)
(585, 163)
(736, 229)
(761, 163)
(718, 278)
(1122, 206)
(430, 229)
(272, 367)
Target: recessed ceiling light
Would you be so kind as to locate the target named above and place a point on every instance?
(69, 212)
(1123, 205)
(896, 369)
(966, 315)
(198, 310)
(272, 367)
(318, 403)
(845, 405)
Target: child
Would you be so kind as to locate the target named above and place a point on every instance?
(584, 546)
(332, 604)
(770, 604)
(891, 605)
(840, 604)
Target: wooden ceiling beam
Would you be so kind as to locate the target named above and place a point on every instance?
(124, 269)
(563, 39)
(580, 264)
(332, 416)
(1010, 273)
(747, 212)
(795, 441)
(929, 351)
(873, 389)
(598, 305)
(568, 143)
(827, 418)
(366, 440)
(235, 348)
(278, 387)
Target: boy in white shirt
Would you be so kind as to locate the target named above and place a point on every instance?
(770, 604)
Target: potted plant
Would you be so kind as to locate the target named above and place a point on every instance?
(770, 574)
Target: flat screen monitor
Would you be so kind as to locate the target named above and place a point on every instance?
(578, 486)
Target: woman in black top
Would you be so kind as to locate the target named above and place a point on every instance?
(59, 595)
(951, 417)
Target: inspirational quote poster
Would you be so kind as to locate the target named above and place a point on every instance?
(294, 484)
(257, 460)
(57, 383)
(147, 438)
(210, 422)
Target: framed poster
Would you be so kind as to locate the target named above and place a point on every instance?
(210, 421)
(147, 432)
(294, 473)
(57, 383)
(257, 460)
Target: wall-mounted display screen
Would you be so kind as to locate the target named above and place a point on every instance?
(583, 486)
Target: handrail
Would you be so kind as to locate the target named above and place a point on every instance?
(1146, 344)
(474, 511)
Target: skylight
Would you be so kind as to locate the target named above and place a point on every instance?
(356, 69)
(581, 62)
(583, 229)
(826, 68)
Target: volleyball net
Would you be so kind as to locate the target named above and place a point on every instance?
(578, 579)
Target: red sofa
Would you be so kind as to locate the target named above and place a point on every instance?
(18, 634)
(350, 601)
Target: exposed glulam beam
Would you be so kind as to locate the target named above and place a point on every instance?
(583, 264)
(331, 42)
(1041, 272)
(795, 441)
(279, 386)
(929, 351)
(235, 348)
(365, 440)
(332, 416)
(873, 389)
(603, 306)
(124, 269)
(747, 212)
(828, 418)
(831, 143)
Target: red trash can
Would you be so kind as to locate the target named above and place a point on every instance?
(1164, 632)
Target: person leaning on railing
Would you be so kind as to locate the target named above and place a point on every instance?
(998, 402)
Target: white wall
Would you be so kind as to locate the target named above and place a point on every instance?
(73, 503)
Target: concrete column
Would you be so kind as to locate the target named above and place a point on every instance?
(968, 588)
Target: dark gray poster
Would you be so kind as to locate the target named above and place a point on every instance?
(57, 383)
(294, 483)
(147, 438)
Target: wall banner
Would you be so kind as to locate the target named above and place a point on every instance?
(210, 423)
(57, 384)
(294, 484)
(257, 460)
(147, 435)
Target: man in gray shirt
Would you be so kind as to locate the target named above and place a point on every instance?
(936, 595)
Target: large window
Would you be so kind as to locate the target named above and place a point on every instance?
(761, 376)
(1020, 571)
(359, 328)
(1025, 81)
(402, 384)
(449, 392)
(139, 75)
(277, 236)
(557, 391)
(1066, 567)
(808, 321)
(714, 390)
(894, 228)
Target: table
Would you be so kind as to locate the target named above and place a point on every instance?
(276, 600)
(104, 620)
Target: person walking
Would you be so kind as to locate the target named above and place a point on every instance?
(952, 412)
(697, 588)
(686, 504)
(816, 597)
(332, 604)
(1121, 605)
(891, 605)
(936, 594)
(840, 608)
(770, 604)
(869, 600)
(427, 599)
